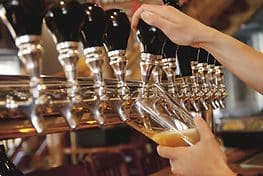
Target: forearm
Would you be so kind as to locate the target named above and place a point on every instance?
(242, 60)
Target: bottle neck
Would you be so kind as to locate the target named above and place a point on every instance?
(2, 152)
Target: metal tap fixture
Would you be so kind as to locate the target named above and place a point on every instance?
(24, 18)
(151, 40)
(64, 20)
(220, 85)
(116, 41)
(92, 32)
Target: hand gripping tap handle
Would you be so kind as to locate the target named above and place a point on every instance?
(64, 20)
(92, 32)
(24, 19)
(116, 41)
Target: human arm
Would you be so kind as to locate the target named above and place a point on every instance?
(240, 59)
(202, 159)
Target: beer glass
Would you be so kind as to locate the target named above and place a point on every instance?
(162, 119)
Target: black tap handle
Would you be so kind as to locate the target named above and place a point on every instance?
(117, 31)
(64, 20)
(24, 16)
(151, 38)
(169, 48)
(186, 54)
(94, 26)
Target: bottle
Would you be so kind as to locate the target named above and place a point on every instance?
(7, 168)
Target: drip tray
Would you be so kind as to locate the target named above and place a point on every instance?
(255, 161)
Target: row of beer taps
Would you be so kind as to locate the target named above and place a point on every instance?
(196, 83)
(101, 34)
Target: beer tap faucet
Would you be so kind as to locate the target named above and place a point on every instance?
(151, 41)
(24, 18)
(92, 32)
(116, 41)
(64, 20)
(221, 88)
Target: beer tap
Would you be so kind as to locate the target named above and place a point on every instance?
(169, 64)
(64, 20)
(220, 85)
(24, 21)
(116, 41)
(188, 94)
(92, 32)
(151, 40)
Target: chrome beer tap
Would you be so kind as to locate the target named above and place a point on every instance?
(151, 40)
(116, 41)
(64, 20)
(169, 64)
(221, 93)
(189, 89)
(92, 32)
(24, 18)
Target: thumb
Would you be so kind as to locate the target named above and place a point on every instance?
(170, 152)
(202, 127)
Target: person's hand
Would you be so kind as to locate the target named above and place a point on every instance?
(180, 28)
(204, 158)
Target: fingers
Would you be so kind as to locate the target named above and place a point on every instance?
(156, 20)
(203, 129)
(166, 12)
(137, 15)
(170, 152)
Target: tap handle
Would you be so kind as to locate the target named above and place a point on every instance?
(118, 30)
(64, 20)
(186, 54)
(151, 38)
(169, 49)
(23, 17)
(94, 26)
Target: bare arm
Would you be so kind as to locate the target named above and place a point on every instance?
(240, 59)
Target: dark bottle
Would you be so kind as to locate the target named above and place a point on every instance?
(64, 19)
(94, 26)
(7, 168)
(24, 17)
(118, 30)
(151, 38)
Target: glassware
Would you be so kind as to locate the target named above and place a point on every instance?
(163, 120)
